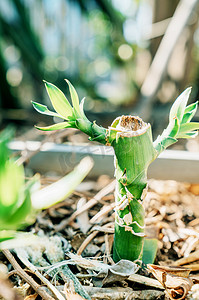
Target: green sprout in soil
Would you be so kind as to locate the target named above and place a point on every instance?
(131, 139)
(20, 201)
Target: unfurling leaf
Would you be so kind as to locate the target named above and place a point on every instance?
(81, 106)
(189, 112)
(74, 96)
(179, 123)
(178, 107)
(59, 101)
(173, 128)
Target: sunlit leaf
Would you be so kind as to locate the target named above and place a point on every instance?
(161, 144)
(57, 126)
(43, 109)
(188, 135)
(178, 107)
(173, 128)
(189, 112)
(59, 101)
(189, 127)
(81, 106)
(74, 96)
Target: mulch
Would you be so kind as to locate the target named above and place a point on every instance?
(72, 257)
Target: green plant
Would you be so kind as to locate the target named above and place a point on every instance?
(134, 149)
(21, 201)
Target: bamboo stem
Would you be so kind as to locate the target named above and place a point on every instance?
(132, 142)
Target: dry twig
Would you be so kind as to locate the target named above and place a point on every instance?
(22, 256)
(185, 260)
(89, 239)
(38, 288)
(106, 190)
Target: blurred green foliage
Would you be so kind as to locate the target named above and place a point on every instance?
(105, 47)
(15, 202)
(20, 200)
(52, 40)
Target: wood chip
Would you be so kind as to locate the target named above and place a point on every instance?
(185, 260)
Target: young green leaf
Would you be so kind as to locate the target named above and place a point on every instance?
(43, 109)
(172, 129)
(189, 112)
(161, 143)
(178, 107)
(74, 96)
(189, 127)
(81, 106)
(59, 101)
(188, 135)
(57, 126)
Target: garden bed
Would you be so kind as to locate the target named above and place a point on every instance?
(83, 225)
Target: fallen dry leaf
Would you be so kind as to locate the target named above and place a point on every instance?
(172, 270)
(174, 279)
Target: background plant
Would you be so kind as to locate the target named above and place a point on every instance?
(134, 149)
(21, 200)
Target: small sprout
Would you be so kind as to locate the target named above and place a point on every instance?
(178, 108)
(179, 123)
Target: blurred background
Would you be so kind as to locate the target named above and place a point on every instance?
(126, 57)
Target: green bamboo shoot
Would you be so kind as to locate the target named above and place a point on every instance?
(131, 139)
